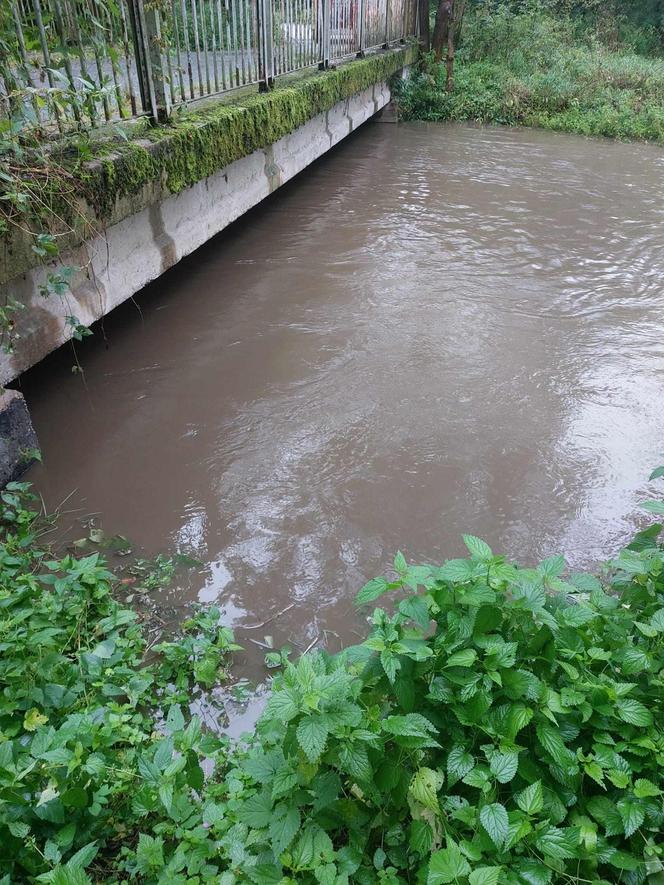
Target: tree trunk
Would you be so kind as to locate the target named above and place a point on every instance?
(458, 9)
(425, 26)
(442, 27)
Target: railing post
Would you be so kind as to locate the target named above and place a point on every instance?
(152, 81)
(266, 45)
(326, 8)
(362, 14)
(387, 24)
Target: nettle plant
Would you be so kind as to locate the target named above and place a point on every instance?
(499, 725)
(503, 725)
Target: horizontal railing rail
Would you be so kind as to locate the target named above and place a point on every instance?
(67, 65)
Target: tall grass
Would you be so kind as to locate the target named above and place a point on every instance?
(531, 68)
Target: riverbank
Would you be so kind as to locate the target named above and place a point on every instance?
(531, 69)
(107, 776)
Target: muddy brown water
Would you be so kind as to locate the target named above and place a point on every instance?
(434, 330)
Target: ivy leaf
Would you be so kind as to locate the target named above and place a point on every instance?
(495, 821)
(312, 736)
(531, 800)
(447, 865)
(634, 712)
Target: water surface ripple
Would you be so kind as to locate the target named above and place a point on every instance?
(436, 329)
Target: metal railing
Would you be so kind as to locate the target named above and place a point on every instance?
(72, 64)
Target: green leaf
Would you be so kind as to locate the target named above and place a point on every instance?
(644, 789)
(657, 472)
(634, 712)
(559, 843)
(553, 743)
(410, 725)
(284, 825)
(464, 658)
(400, 564)
(477, 547)
(495, 821)
(656, 507)
(457, 571)
(424, 788)
(504, 766)
(459, 763)
(312, 736)
(485, 876)
(447, 865)
(372, 590)
(531, 800)
(631, 814)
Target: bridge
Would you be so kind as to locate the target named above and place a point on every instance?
(192, 114)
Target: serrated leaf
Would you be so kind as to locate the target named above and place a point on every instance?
(504, 766)
(559, 843)
(457, 571)
(447, 865)
(531, 800)
(553, 743)
(634, 712)
(459, 763)
(485, 876)
(477, 547)
(372, 590)
(410, 725)
(464, 658)
(656, 507)
(424, 787)
(644, 789)
(496, 823)
(631, 814)
(283, 827)
(312, 735)
(400, 564)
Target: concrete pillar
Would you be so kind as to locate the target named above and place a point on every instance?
(17, 436)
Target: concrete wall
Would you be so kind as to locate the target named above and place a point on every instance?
(139, 248)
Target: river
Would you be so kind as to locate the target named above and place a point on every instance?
(436, 329)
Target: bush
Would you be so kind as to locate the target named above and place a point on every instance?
(529, 68)
(503, 724)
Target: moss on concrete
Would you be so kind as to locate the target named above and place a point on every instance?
(197, 144)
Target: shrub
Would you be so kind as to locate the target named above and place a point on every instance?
(529, 68)
(501, 724)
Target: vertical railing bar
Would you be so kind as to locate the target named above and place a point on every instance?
(60, 30)
(125, 41)
(119, 97)
(220, 26)
(197, 48)
(178, 50)
(387, 24)
(98, 64)
(243, 49)
(144, 55)
(205, 47)
(215, 65)
(46, 55)
(187, 47)
(25, 62)
(91, 104)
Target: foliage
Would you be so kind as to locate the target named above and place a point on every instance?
(502, 724)
(531, 68)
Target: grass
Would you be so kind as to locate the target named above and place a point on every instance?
(531, 69)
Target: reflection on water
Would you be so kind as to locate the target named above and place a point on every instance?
(436, 329)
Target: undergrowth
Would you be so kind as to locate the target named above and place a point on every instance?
(499, 725)
(535, 69)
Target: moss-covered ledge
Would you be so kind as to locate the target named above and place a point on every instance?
(126, 177)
